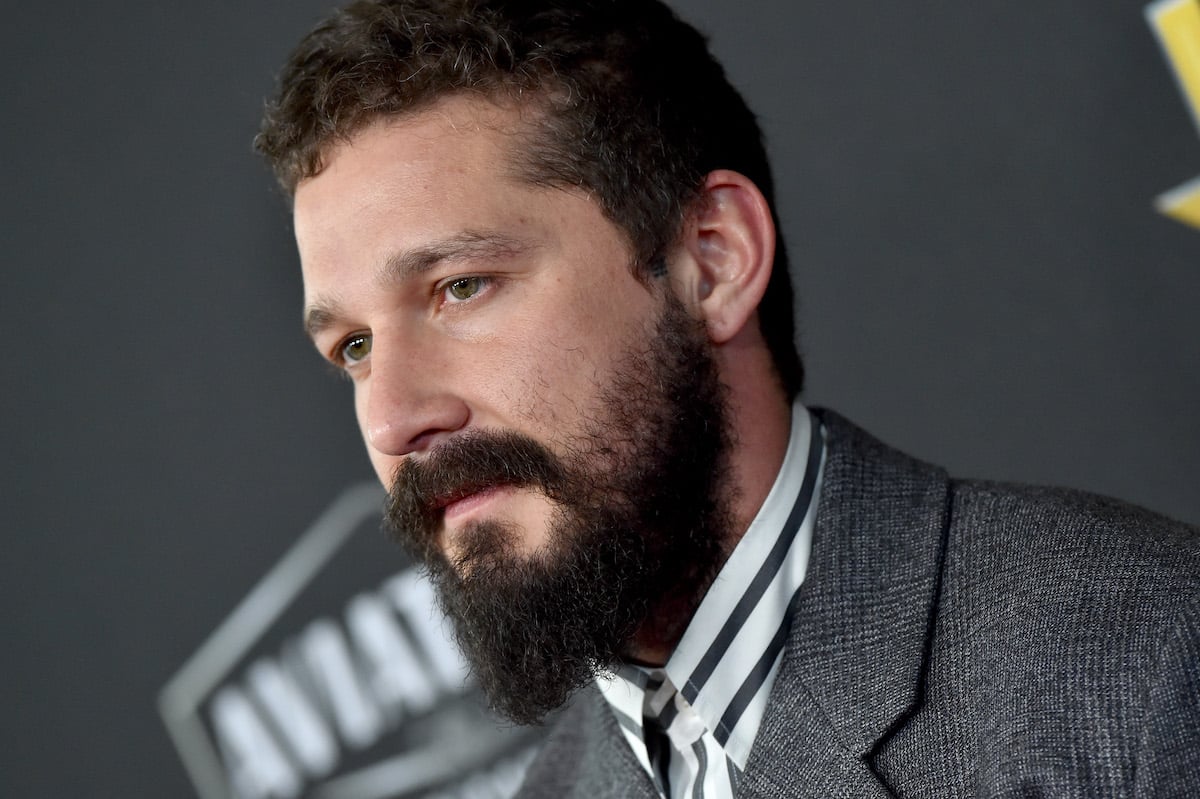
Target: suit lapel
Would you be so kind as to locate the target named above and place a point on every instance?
(608, 768)
(853, 666)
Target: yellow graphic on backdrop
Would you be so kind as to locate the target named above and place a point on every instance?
(1177, 23)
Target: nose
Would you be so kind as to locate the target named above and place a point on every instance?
(407, 404)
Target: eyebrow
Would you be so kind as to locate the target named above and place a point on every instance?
(466, 246)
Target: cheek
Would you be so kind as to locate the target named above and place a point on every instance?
(560, 372)
(551, 385)
(384, 468)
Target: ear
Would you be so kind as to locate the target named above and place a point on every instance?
(729, 241)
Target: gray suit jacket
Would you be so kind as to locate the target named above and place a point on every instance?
(959, 639)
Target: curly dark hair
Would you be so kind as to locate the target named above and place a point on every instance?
(633, 108)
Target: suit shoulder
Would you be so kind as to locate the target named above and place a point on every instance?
(1066, 563)
(1031, 525)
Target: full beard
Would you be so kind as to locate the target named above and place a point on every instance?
(638, 532)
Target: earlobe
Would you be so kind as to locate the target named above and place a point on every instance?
(730, 243)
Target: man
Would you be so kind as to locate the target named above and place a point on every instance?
(539, 239)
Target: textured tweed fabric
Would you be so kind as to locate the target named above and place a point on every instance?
(959, 639)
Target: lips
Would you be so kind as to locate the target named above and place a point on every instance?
(463, 499)
(446, 498)
(456, 480)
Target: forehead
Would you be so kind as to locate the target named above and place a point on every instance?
(401, 180)
(457, 137)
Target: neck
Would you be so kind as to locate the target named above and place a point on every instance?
(760, 419)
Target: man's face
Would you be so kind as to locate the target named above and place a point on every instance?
(459, 298)
(552, 429)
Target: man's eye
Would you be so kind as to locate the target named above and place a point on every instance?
(356, 349)
(464, 288)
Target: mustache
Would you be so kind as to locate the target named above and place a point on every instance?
(464, 465)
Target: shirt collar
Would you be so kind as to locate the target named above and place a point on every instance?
(726, 660)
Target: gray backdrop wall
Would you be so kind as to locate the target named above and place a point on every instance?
(966, 189)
